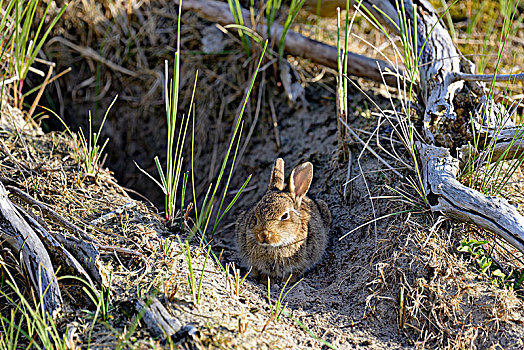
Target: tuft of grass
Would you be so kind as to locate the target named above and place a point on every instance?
(26, 320)
(90, 150)
(20, 43)
(277, 307)
(194, 285)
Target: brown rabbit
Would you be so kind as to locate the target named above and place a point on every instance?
(285, 232)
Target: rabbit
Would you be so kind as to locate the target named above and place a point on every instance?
(285, 233)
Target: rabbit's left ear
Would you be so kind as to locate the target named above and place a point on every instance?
(300, 180)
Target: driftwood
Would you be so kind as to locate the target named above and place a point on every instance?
(439, 171)
(299, 45)
(157, 318)
(441, 79)
(85, 251)
(57, 250)
(21, 237)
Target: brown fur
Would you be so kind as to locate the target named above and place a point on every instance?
(278, 248)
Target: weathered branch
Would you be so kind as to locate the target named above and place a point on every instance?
(440, 79)
(449, 196)
(161, 324)
(86, 252)
(21, 237)
(299, 45)
(56, 249)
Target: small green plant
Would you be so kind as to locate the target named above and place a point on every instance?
(195, 287)
(488, 267)
(91, 150)
(277, 308)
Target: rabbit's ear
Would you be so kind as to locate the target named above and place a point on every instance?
(277, 176)
(300, 180)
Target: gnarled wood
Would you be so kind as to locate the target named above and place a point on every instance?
(161, 324)
(21, 237)
(86, 252)
(447, 195)
(440, 79)
(59, 253)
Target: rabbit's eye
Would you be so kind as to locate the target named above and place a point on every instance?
(284, 216)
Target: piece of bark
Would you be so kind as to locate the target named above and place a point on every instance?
(161, 324)
(299, 45)
(21, 237)
(447, 195)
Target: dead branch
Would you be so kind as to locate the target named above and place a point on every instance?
(57, 250)
(21, 237)
(447, 195)
(86, 252)
(441, 78)
(157, 318)
(299, 45)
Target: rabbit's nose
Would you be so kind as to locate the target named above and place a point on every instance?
(264, 237)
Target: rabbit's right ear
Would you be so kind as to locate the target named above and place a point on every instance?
(277, 176)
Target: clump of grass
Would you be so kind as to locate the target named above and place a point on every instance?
(90, 150)
(194, 284)
(20, 43)
(277, 307)
(26, 320)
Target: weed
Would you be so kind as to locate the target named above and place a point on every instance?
(276, 308)
(487, 266)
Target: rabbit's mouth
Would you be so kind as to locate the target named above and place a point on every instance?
(275, 240)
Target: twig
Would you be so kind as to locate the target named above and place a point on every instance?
(112, 214)
(40, 92)
(275, 123)
(88, 52)
(456, 76)
(51, 213)
(370, 149)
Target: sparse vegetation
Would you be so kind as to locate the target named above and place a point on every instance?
(400, 277)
